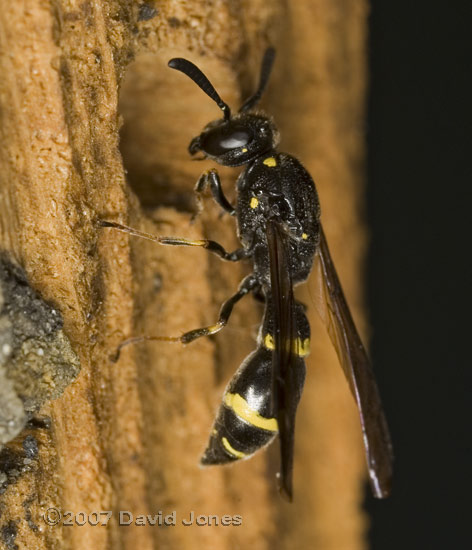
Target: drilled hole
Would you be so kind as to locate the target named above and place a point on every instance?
(162, 111)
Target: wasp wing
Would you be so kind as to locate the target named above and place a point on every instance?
(334, 311)
(284, 330)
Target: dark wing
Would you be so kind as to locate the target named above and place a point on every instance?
(334, 311)
(284, 403)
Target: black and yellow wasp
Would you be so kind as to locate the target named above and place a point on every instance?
(278, 219)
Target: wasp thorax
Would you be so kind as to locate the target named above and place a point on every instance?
(237, 140)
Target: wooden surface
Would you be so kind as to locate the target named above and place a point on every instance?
(128, 436)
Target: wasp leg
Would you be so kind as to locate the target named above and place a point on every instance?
(248, 283)
(212, 179)
(212, 246)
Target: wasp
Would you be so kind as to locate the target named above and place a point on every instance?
(277, 214)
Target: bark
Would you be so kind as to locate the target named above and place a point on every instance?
(94, 125)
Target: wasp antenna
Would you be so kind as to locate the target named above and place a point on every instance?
(266, 67)
(193, 72)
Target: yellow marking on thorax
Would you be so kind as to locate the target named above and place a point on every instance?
(242, 409)
(299, 347)
(270, 161)
(244, 149)
(304, 236)
(231, 450)
(269, 341)
(254, 202)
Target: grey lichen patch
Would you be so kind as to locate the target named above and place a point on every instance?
(28, 515)
(8, 535)
(13, 464)
(43, 368)
(30, 447)
(36, 359)
(146, 11)
(20, 456)
(12, 412)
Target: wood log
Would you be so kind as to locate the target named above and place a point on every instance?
(95, 126)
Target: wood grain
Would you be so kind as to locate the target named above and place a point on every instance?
(94, 125)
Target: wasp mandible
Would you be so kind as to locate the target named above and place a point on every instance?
(278, 223)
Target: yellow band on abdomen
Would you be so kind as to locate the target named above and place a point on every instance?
(231, 450)
(242, 409)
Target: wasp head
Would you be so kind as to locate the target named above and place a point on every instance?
(233, 140)
(236, 141)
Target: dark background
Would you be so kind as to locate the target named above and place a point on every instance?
(419, 211)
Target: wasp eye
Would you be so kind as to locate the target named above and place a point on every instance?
(221, 140)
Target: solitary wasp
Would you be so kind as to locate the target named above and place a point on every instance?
(278, 219)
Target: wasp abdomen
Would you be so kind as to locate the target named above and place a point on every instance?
(244, 423)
